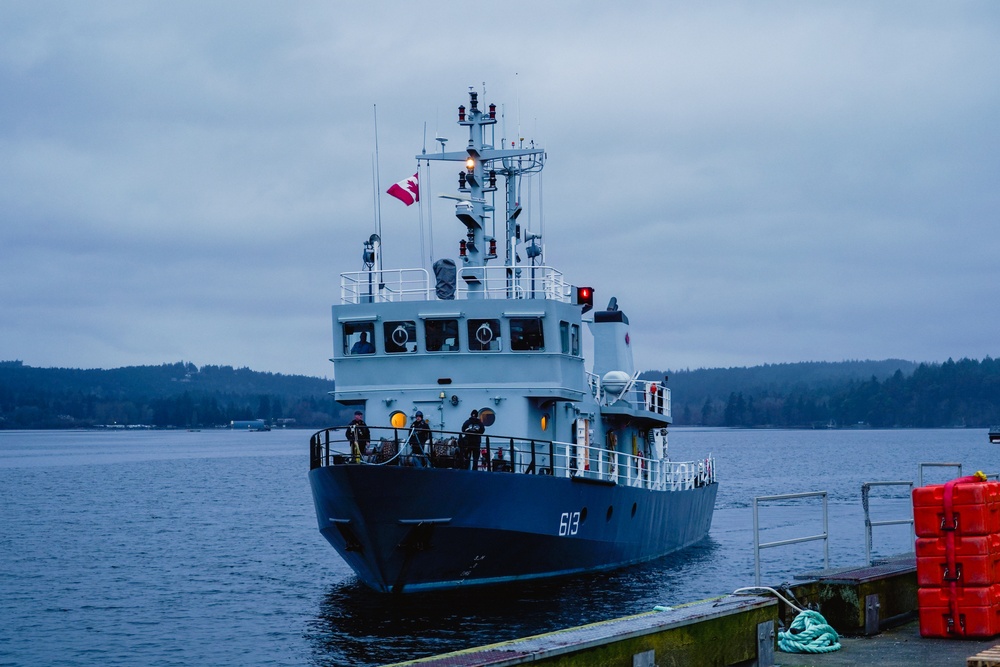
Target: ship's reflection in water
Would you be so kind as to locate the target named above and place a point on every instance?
(356, 626)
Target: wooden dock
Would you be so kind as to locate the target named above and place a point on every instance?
(872, 607)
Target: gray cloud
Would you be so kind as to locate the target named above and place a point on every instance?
(769, 182)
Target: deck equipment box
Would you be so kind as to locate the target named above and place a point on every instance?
(977, 561)
(958, 557)
(978, 611)
(975, 509)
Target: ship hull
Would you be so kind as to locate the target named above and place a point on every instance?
(408, 529)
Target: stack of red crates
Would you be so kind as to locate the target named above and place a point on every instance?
(958, 558)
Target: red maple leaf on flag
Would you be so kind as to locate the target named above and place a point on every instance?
(406, 191)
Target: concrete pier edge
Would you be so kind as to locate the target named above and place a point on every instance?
(875, 606)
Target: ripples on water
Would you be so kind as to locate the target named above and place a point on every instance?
(180, 548)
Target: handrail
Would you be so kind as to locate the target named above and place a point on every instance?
(869, 524)
(638, 394)
(415, 284)
(330, 446)
(825, 535)
(920, 469)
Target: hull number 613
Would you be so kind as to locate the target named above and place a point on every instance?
(569, 523)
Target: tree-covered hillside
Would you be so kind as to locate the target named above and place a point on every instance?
(890, 393)
(176, 395)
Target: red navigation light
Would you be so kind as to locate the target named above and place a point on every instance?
(493, 247)
(461, 113)
(461, 248)
(493, 111)
(585, 297)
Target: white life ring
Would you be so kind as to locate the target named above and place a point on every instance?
(484, 334)
(399, 336)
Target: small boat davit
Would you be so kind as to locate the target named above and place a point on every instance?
(483, 450)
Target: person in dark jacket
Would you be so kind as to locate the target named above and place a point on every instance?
(420, 435)
(359, 436)
(472, 431)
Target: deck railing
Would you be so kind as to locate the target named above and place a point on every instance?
(496, 282)
(385, 286)
(638, 394)
(392, 446)
(824, 536)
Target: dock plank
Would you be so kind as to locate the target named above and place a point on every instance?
(988, 658)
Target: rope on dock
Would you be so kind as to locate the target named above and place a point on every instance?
(809, 632)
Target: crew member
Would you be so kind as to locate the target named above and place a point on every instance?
(472, 430)
(420, 435)
(358, 435)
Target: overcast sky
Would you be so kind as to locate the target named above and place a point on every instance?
(757, 182)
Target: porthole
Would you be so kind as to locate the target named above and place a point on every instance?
(633, 510)
(398, 419)
(611, 510)
(487, 416)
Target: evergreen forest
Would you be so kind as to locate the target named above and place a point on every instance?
(878, 394)
(178, 395)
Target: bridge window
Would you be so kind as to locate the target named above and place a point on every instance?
(359, 338)
(526, 333)
(441, 335)
(484, 335)
(400, 336)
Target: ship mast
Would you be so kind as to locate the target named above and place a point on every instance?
(482, 163)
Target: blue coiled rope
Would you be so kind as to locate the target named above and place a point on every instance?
(809, 632)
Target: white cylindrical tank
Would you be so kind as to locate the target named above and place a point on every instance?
(614, 382)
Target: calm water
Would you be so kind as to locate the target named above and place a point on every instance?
(178, 548)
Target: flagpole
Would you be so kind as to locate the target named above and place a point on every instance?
(378, 199)
(420, 208)
(430, 212)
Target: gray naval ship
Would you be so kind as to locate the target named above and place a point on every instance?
(572, 474)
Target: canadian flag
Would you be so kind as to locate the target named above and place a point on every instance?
(406, 191)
